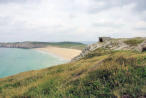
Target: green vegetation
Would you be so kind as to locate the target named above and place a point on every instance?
(29, 45)
(73, 45)
(102, 73)
(134, 41)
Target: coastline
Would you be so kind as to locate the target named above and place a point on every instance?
(64, 53)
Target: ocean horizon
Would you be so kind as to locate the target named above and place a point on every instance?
(14, 60)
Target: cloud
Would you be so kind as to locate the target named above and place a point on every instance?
(140, 4)
(73, 20)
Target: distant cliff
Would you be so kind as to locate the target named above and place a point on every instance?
(26, 45)
(29, 45)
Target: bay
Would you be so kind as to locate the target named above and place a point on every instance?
(13, 60)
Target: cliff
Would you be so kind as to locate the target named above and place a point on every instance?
(28, 45)
(21, 45)
(134, 44)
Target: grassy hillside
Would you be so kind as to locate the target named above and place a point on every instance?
(134, 41)
(102, 73)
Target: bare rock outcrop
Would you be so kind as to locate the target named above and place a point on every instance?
(142, 47)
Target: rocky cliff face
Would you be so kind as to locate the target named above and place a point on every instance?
(136, 44)
(25, 45)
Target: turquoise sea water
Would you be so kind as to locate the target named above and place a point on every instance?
(13, 61)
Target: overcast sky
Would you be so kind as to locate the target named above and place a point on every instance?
(71, 20)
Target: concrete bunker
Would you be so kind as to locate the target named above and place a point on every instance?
(103, 39)
(144, 49)
(100, 39)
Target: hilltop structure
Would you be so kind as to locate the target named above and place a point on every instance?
(103, 39)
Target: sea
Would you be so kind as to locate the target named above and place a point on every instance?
(14, 60)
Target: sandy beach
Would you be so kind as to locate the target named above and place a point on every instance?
(65, 53)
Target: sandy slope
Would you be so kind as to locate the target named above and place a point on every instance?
(65, 53)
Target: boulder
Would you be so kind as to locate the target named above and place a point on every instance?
(142, 47)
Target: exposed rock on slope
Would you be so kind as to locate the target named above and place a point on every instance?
(137, 44)
(21, 45)
(142, 46)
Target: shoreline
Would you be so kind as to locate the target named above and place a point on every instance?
(64, 53)
(51, 54)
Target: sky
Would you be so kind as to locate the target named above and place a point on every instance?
(71, 20)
